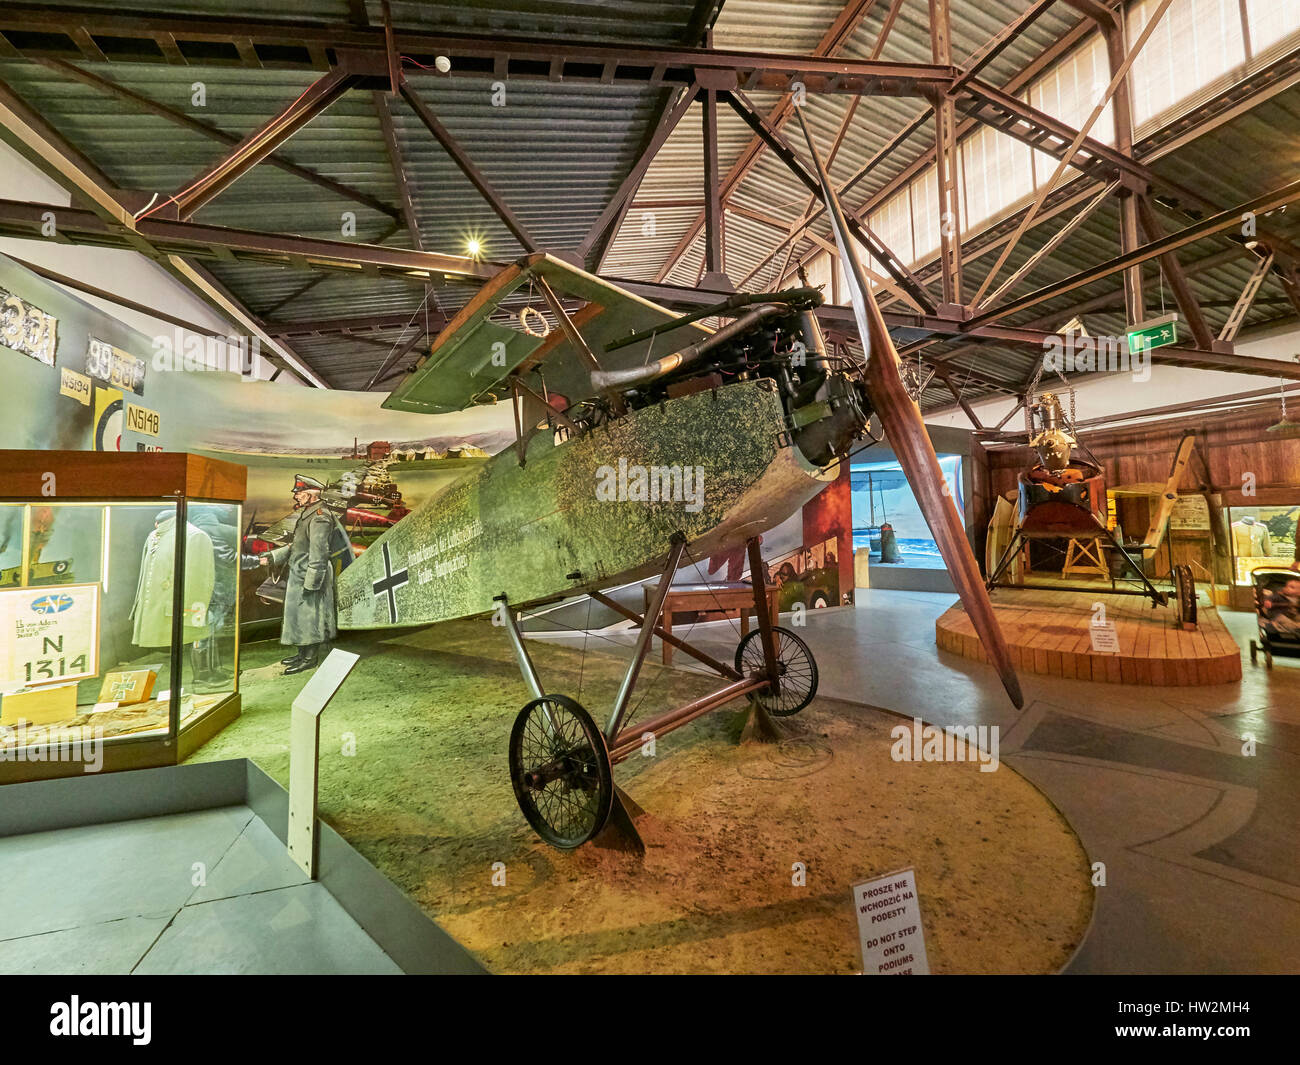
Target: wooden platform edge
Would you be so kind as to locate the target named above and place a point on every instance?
(1081, 663)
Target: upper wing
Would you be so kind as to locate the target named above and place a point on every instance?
(473, 358)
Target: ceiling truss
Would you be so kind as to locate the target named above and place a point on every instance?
(934, 302)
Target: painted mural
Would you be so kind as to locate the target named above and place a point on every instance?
(79, 379)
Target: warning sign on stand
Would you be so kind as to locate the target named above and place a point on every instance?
(889, 925)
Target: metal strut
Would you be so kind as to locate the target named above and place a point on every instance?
(526, 667)
(645, 636)
(1157, 597)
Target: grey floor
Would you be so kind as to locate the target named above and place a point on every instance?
(212, 891)
(1201, 842)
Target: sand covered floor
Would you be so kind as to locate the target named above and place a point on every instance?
(1003, 881)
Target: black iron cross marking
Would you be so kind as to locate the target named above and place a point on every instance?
(390, 583)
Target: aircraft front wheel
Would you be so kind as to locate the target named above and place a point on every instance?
(795, 666)
(560, 770)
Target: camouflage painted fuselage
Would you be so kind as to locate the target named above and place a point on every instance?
(522, 531)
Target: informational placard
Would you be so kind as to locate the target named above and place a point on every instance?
(889, 925)
(1190, 514)
(1105, 638)
(304, 755)
(48, 634)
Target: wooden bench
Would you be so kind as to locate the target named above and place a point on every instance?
(726, 599)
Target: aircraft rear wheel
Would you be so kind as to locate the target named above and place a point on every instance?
(796, 671)
(560, 769)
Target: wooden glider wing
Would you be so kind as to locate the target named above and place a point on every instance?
(473, 359)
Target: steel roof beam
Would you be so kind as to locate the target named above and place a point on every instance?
(894, 265)
(1106, 303)
(29, 134)
(466, 166)
(1183, 295)
(304, 44)
(627, 189)
(996, 45)
(48, 150)
(1219, 223)
(1022, 78)
(1281, 73)
(698, 30)
(168, 236)
(680, 297)
(394, 152)
(1122, 111)
(259, 144)
(832, 42)
(185, 121)
(375, 323)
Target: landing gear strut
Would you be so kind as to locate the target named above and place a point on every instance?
(561, 762)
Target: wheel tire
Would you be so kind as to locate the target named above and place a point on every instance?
(1185, 594)
(796, 666)
(548, 765)
(820, 600)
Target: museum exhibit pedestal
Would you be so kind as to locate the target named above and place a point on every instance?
(414, 942)
(1051, 632)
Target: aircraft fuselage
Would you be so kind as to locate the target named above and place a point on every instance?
(592, 511)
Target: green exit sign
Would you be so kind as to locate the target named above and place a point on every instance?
(1154, 334)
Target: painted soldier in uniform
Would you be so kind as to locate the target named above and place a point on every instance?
(309, 618)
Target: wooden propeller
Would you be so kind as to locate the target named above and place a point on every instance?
(901, 419)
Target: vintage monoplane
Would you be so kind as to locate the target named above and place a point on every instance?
(640, 433)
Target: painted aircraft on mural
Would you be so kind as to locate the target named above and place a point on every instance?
(641, 436)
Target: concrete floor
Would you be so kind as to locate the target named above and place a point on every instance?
(211, 891)
(1201, 842)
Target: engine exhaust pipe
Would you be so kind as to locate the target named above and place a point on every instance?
(603, 380)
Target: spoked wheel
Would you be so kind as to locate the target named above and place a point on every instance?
(560, 770)
(1185, 594)
(795, 666)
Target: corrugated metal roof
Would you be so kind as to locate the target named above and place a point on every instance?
(557, 151)
(643, 21)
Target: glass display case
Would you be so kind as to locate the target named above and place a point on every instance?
(119, 614)
(1261, 538)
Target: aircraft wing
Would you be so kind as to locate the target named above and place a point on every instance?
(473, 358)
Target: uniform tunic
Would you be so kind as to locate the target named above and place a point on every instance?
(309, 615)
(153, 610)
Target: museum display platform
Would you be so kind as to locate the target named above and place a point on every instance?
(751, 847)
(1051, 632)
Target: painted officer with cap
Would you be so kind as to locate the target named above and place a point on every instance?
(309, 617)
